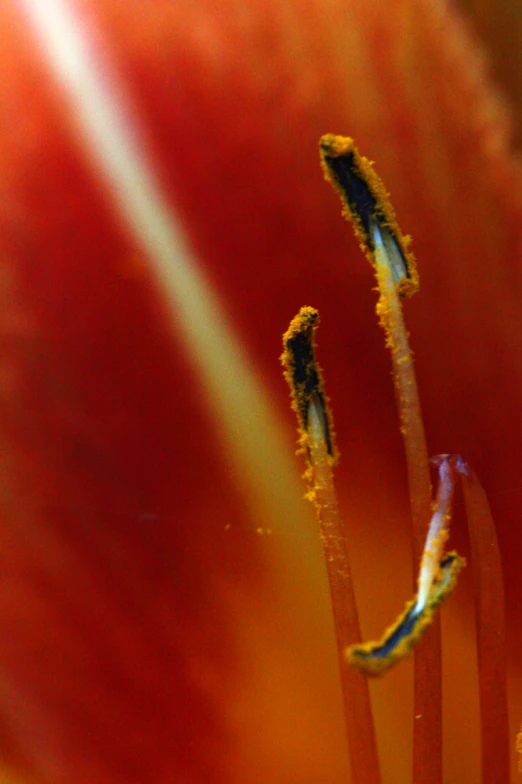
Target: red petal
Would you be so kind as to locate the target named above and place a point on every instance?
(107, 615)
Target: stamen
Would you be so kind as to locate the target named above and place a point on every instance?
(366, 203)
(315, 428)
(491, 636)
(437, 579)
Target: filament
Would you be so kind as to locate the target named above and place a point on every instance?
(427, 738)
(356, 698)
(491, 634)
(389, 310)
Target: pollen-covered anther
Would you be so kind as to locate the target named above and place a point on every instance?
(366, 203)
(437, 578)
(305, 379)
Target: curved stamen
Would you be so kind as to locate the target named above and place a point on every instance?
(437, 579)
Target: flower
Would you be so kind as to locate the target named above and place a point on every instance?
(150, 632)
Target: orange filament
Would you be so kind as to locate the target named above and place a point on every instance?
(427, 738)
(490, 620)
(356, 697)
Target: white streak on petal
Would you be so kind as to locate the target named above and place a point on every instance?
(253, 442)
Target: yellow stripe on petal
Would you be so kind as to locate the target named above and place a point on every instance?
(252, 440)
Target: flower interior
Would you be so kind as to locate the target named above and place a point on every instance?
(367, 205)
